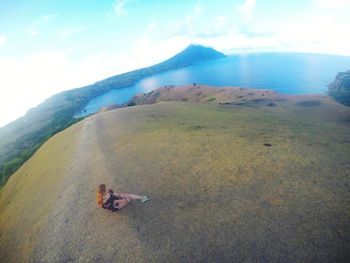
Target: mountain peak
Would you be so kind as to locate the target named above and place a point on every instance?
(202, 51)
(193, 54)
(194, 45)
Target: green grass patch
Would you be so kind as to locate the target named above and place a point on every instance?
(211, 100)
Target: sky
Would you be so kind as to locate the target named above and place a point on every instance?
(50, 46)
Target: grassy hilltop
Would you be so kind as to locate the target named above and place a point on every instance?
(237, 178)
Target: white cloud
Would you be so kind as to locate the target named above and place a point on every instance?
(192, 26)
(33, 32)
(119, 7)
(27, 81)
(314, 29)
(332, 4)
(247, 9)
(310, 30)
(148, 51)
(2, 40)
(34, 27)
(48, 17)
(68, 32)
(197, 9)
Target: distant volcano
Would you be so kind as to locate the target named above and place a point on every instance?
(193, 54)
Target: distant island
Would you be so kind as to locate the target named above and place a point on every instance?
(22, 137)
(339, 89)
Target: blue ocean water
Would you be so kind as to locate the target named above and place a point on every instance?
(291, 73)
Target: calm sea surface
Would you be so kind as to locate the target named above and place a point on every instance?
(290, 73)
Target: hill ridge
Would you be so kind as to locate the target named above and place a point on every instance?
(225, 180)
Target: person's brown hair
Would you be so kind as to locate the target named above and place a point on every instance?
(102, 188)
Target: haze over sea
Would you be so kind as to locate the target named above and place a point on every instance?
(290, 73)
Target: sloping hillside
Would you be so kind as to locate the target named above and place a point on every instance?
(245, 183)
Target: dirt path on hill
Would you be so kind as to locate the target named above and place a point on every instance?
(77, 230)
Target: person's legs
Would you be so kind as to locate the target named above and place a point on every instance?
(122, 202)
(131, 196)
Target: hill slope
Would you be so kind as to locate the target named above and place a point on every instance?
(249, 183)
(21, 138)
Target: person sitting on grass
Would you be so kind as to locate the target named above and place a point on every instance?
(114, 202)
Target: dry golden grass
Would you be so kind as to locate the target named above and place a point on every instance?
(218, 193)
(30, 195)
